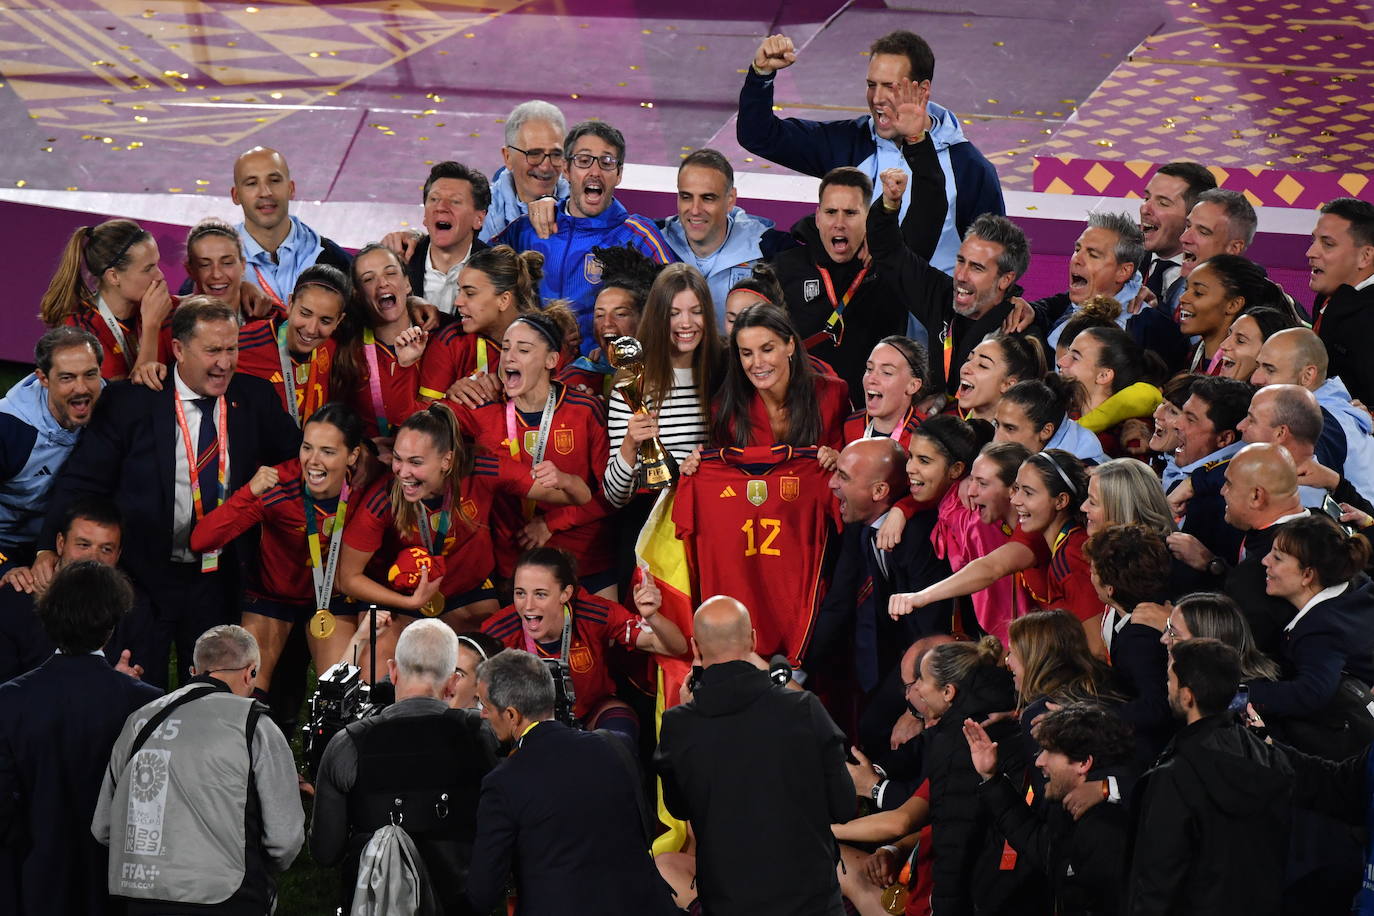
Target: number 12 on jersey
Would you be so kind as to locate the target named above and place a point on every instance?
(766, 532)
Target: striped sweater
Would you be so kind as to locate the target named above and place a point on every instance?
(682, 425)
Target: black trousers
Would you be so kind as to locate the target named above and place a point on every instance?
(173, 607)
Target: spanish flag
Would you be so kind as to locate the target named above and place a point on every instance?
(663, 557)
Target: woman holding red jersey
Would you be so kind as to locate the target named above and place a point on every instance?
(554, 617)
(302, 505)
(439, 499)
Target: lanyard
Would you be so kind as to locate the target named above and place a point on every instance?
(834, 325)
(545, 421)
(374, 381)
(533, 648)
(122, 346)
(323, 573)
(267, 288)
(196, 498)
(426, 536)
(897, 431)
(482, 358)
(947, 346)
(289, 381)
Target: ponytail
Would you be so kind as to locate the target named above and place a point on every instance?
(97, 249)
(438, 423)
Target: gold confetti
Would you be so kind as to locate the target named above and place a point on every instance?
(137, 144)
(469, 34)
(250, 9)
(621, 83)
(701, 47)
(314, 53)
(424, 138)
(646, 104)
(634, 66)
(574, 96)
(333, 53)
(142, 119)
(275, 95)
(231, 44)
(47, 149)
(999, 44)
(202, 182)
(438, 123)
(1103, 142)
(107, 139)
(72, 188)
(992, 101)
(174, 190)
(20, 183)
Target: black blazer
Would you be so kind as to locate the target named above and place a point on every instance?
(561, 813)
(58, 723)
(1266, 615)
(129, 452)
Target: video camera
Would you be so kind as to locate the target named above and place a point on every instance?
(340, 697)
(564, 696)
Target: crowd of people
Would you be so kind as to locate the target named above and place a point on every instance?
(1006, 606)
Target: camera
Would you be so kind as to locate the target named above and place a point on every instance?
(340, 697)
(564, 696)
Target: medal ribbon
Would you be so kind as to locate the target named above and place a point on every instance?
(426, 535)
(533, 648)
(512, 435)
(122, 346)
(288, 377)
(323, 573)
(374, 382)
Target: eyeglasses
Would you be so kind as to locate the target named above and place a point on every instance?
(1169, 631)
(253, 673)
(607, 162)
(536, 156)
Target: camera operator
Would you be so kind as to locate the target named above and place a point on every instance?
(563, 811)
(417, 763)
(201, 797)
(764, 844)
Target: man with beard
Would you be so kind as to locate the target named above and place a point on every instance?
(41, 419)
(1085, 858)
(961, 310)
(590, 217)
(1170, 195)
(1212, 816)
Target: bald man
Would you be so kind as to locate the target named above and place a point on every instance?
(1297, 356)
(869, 477)
(277, 245)
(1261, 493)
(759, 770)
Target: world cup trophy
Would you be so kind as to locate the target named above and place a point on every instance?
(626, 354)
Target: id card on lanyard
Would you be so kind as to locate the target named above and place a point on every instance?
(834, 325)
(209, 561)
(322, 568)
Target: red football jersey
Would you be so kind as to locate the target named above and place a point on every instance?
(856, 426)
(597, 623)
(467, 549)
(114, 364)
(452, 354)
(259, 356)
(1062, 576)
(832, 403)
(756, 522)
(578, 445)
(399, 387)
(284, 552)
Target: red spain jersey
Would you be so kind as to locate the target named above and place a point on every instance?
(578, 444)
(1061, 578)
(856, 427)
(398, 390)
(284, 553)
(114, 365)
(597, 624)
(756, 522)
(832, 403)
(260, 357)
(578, 373)
(467, 549)
(452, 354)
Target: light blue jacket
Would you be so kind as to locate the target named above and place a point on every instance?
(33, 448)
(728, 264)
(1357, 426)
(506, 205)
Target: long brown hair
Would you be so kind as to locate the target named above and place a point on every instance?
(731, 423)
(1055, 658)
(439, 424)
(97, 249)
(656, 334)
(347, 372)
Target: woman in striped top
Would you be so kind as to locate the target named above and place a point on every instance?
(682, 365)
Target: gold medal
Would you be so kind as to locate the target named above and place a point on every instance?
(434, 608)
(894, 898)
(322, 624)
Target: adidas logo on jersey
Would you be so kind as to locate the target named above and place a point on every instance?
(728, 492)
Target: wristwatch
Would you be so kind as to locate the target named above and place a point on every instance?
(1216, 566)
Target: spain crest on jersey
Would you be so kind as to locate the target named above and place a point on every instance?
(580, 659)
(757, 492)
(789, 488)
(564, 441)
(591, 268)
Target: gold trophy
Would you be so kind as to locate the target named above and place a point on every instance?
(627, 355)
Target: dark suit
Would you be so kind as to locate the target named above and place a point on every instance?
(23, 644)
(419, 263)
(561, 812)
(1265, 614)
(129, 452)
(58, 723)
